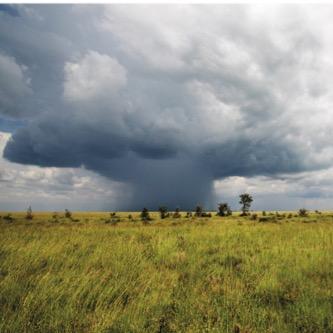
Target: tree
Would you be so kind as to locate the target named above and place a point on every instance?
(303, 212)
(176, 214)
(145, 215)
(245, 200)
(68, 214)
(163, 212)
(198, 211)
(224, 209)
(29, 215)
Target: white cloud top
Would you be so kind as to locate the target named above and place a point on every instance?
(94, 76)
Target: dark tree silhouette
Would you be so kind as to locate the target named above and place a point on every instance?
(245, 200)
(145, 215)
(224, 209)
(176, 214)
(198, 211)
(163, 212)
(303, 212)
(68, 214)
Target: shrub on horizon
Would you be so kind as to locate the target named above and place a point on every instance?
(8, 217)
(176, 214)
(68, 214)
(198, 211)
(29, 215)
(145, 215)
(224, 209)
(302, 212)
(163, 212)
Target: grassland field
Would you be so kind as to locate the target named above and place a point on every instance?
(220, 274)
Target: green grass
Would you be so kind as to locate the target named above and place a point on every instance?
(185, 275)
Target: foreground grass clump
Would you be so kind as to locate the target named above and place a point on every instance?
(219, 274)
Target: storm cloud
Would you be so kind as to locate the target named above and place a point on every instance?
(167, 100)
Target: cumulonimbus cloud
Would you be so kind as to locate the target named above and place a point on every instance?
(169, 98)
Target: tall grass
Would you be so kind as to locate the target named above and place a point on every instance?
(226, 274)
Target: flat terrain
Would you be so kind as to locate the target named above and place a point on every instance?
(219, 274)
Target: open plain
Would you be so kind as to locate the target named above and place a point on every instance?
(96, 273)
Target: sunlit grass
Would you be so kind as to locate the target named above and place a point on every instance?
(176, 275)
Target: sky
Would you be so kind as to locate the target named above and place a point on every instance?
(119, 107)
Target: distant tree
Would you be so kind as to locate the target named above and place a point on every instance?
(163, 212)
(198, 211)
(224, 209)
(145, 215)
(303, 212)
(245, 200)
(176, 214)
(68, 214)
(29, 215)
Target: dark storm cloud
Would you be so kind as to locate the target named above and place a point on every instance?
(9, 125)
(8, 9)
(169, 98)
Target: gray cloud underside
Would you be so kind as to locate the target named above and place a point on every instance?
(169, 98)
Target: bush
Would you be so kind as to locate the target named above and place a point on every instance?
(302, 212)
(68, 214)
(145, 215)
(272, 219)
(188, 214)
(8, 217)
(55, 217)
(264, 213)
(176, 214)
(198, 211)
(29, 215)
(224, 209)
(163, 212)
(206, 215)
(254, 216)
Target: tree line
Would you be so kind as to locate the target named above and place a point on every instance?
(223, 210)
